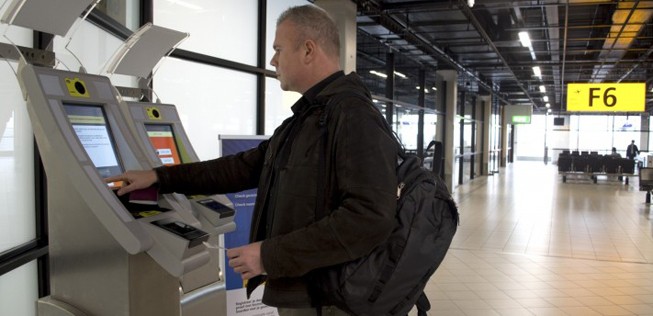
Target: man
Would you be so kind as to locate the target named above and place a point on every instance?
(356, 174)
(632, 151)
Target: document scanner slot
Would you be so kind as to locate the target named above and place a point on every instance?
(194, 236)
(140, 210)
(217, 207)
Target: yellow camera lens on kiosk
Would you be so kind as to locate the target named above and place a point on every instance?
(153, 113)
(77, 87)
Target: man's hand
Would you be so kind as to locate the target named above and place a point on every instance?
(246, 260)
(134, 180)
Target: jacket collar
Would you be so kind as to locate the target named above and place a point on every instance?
(310, 96)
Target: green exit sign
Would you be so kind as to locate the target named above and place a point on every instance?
(521, 119)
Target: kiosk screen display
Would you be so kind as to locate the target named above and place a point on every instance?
(93, 132)
(164, 142)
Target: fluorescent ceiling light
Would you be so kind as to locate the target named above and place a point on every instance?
(548, 105)
(548, 111)
(542, 89)
(537, 72)
(436, 89)
(524, 39)
(380, 74)
(546, 98)
(470, 3)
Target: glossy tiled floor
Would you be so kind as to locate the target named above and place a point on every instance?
(529, 244)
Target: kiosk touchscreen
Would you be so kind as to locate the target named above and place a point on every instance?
(90, 124)
(164, 142)
(108, 255)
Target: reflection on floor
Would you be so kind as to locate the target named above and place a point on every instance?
(529, 244)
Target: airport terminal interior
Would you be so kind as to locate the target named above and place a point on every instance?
(526, 109)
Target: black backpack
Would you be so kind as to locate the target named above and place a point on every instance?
(391, 279)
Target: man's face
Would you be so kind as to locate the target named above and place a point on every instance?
(287, 57)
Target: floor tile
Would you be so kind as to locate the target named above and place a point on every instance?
(529, 244)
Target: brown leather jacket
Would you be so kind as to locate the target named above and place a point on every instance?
(360, 160)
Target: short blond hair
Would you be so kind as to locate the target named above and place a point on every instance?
(313, 23)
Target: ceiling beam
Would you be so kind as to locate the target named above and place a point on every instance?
(462, 5)
(397, 27)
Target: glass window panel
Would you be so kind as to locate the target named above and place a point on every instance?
(224, 29)
(650, 139)
(557, 137)
(530, 139)
(595, 134)
(626, 129)
(211, 101)
(405, 76)
(456, 136)
(277, 104)
(17, 200)
(124, 12)
(274, 9)
(468, 136)
(430, 128)
(406, 127)
(19, 290)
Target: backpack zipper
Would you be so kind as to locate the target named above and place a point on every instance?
(399, 188)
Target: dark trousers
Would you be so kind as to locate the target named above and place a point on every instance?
(326, 311)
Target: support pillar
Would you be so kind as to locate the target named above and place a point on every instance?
(343, 13)
(644, 134)
(505, 138)
(450, 77)
(485, 129)
(420, 119)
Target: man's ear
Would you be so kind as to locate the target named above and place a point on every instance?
(310, 51)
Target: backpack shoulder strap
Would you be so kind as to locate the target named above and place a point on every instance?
(320, 210)
(423, 305)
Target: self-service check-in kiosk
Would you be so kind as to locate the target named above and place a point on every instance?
(108, 255)
(158, 128)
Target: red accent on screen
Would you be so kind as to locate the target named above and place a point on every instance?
(166, 149)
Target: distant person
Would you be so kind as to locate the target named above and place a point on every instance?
(632, 151)
(614, 153)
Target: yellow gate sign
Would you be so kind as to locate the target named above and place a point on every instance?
(606, 97)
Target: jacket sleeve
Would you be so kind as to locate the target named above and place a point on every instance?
(227, 174)
(363, 161)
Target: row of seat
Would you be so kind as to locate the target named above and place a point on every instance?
(595, 164)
